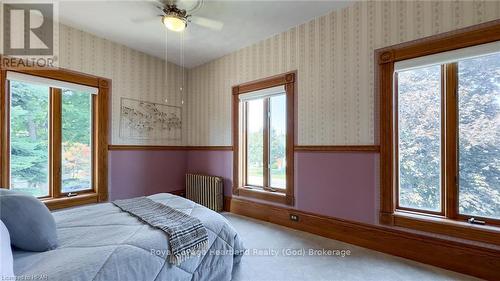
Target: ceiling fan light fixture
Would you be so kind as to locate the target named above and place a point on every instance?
(174, 23)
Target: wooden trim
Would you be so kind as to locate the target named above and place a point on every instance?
(55, 146)
(291, 95)
(441, 225)
(167, 147)
(227, 204)
(300, 148)
(66, 202)
(85, 198)
(387, 192)
(101, 148)
(266, 148)
(489, 221)
(236, 140)
(443, 141)
(4, 130)
(269, 82)
(244, 143)
(386, 57)
(462, 257)
(338, 148)
(101, 123)
(259, 193)
(95, 140)
(450, 133)
(288, 80)
(60, 74)
(461, 38)
(226, 148)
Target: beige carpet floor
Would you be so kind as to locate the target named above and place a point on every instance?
(280, 253)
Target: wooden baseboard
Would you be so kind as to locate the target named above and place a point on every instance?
(227, 204)
(465, 258)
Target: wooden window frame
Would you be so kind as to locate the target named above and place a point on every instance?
(448, 221)
(240, 188)
(100, 109)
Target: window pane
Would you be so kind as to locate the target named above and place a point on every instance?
(76, 141)
(479, 136)
(255, 144)
(277, 138)
(419, 124)
(29, 138)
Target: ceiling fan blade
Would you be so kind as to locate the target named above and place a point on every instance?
(191, 6)
(206, 22)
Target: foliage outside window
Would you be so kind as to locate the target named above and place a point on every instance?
(479, 136)
(29, 139)
(422, 105)
(76, 141)
(265, 136)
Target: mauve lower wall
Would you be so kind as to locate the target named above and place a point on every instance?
(214, 163)
(138, 173)
(340, 185)
(336, 184)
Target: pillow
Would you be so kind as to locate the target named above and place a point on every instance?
(6, 260)
(30, 223)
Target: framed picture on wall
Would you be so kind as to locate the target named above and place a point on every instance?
(149, 120)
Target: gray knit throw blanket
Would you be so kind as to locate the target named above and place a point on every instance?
(187, 235)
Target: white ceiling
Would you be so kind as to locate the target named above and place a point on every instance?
(136, 25)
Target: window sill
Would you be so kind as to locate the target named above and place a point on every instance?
(436, 224)
(257, 193)
(66, 202)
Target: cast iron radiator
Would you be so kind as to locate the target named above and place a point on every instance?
(205, 190)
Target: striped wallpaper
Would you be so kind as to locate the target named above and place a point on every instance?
(333, 55)
(133, 73)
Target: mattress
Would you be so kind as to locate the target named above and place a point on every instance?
(100, 242)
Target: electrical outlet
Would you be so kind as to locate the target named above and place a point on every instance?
(294, 217)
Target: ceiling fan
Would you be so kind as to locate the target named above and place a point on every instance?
(177, 19)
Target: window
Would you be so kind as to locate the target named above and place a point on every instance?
(419, 132)
(478, 128)
(265, 135)
(30, 145)
(440, 135)
(254, 135)
(77, 138)
(264, 132)
(277, 141)
(29, 138)
(52, 134)
(474, 85)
